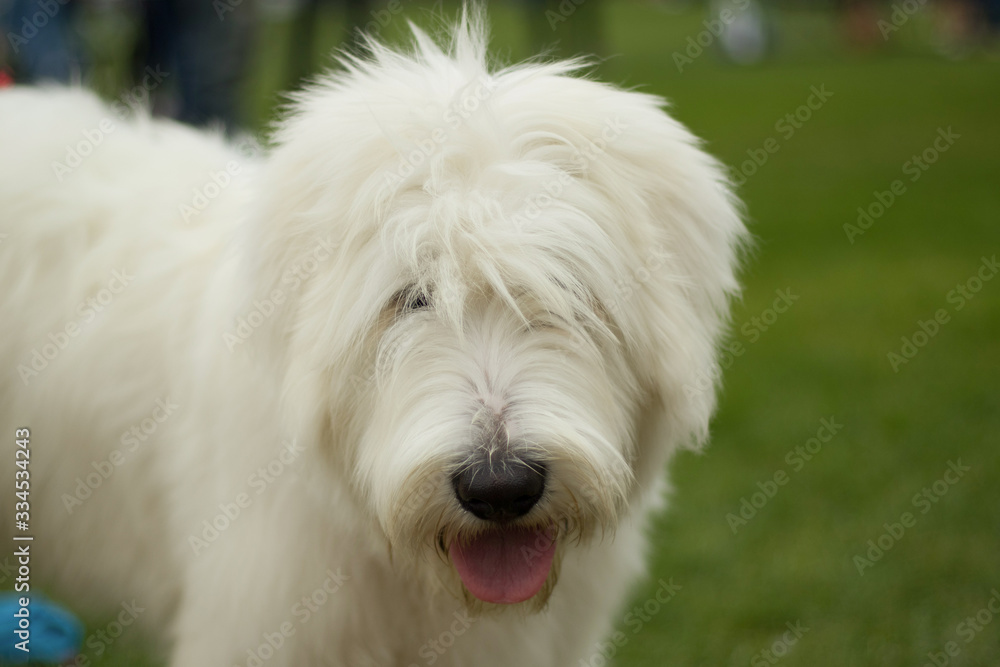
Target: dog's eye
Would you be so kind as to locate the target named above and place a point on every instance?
(408, 300)
(417, 302)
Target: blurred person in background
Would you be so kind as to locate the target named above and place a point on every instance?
(204, 47)
(41, 40)
(955, 28)
(860, 23)
(962, 26)
(991, 10)
(746, 32)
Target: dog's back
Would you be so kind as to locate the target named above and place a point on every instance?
(94, 239)
(85, 191)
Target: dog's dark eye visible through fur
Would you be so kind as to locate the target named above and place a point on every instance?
(417, 301)
(410, 300)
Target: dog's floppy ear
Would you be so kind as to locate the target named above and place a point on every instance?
(300, 255)
(680, 290)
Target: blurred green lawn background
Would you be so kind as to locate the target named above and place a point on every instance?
(826, 356)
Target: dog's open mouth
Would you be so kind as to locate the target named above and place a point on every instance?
(505, 565)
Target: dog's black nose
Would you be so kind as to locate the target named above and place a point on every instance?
(501, 491)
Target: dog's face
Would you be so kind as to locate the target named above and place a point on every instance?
(498, 422)
(515, 316)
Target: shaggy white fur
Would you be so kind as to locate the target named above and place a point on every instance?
(250, 383)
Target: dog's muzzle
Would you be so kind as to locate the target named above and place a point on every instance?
(505, 562)
(500, 490)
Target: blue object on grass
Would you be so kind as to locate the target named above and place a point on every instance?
(55, 633)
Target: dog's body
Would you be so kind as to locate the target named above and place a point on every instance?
(299, 367)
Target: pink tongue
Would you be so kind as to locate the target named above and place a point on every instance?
(504, 566)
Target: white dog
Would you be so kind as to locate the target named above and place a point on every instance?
(402, 392)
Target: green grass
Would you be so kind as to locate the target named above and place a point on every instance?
(827, 355)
